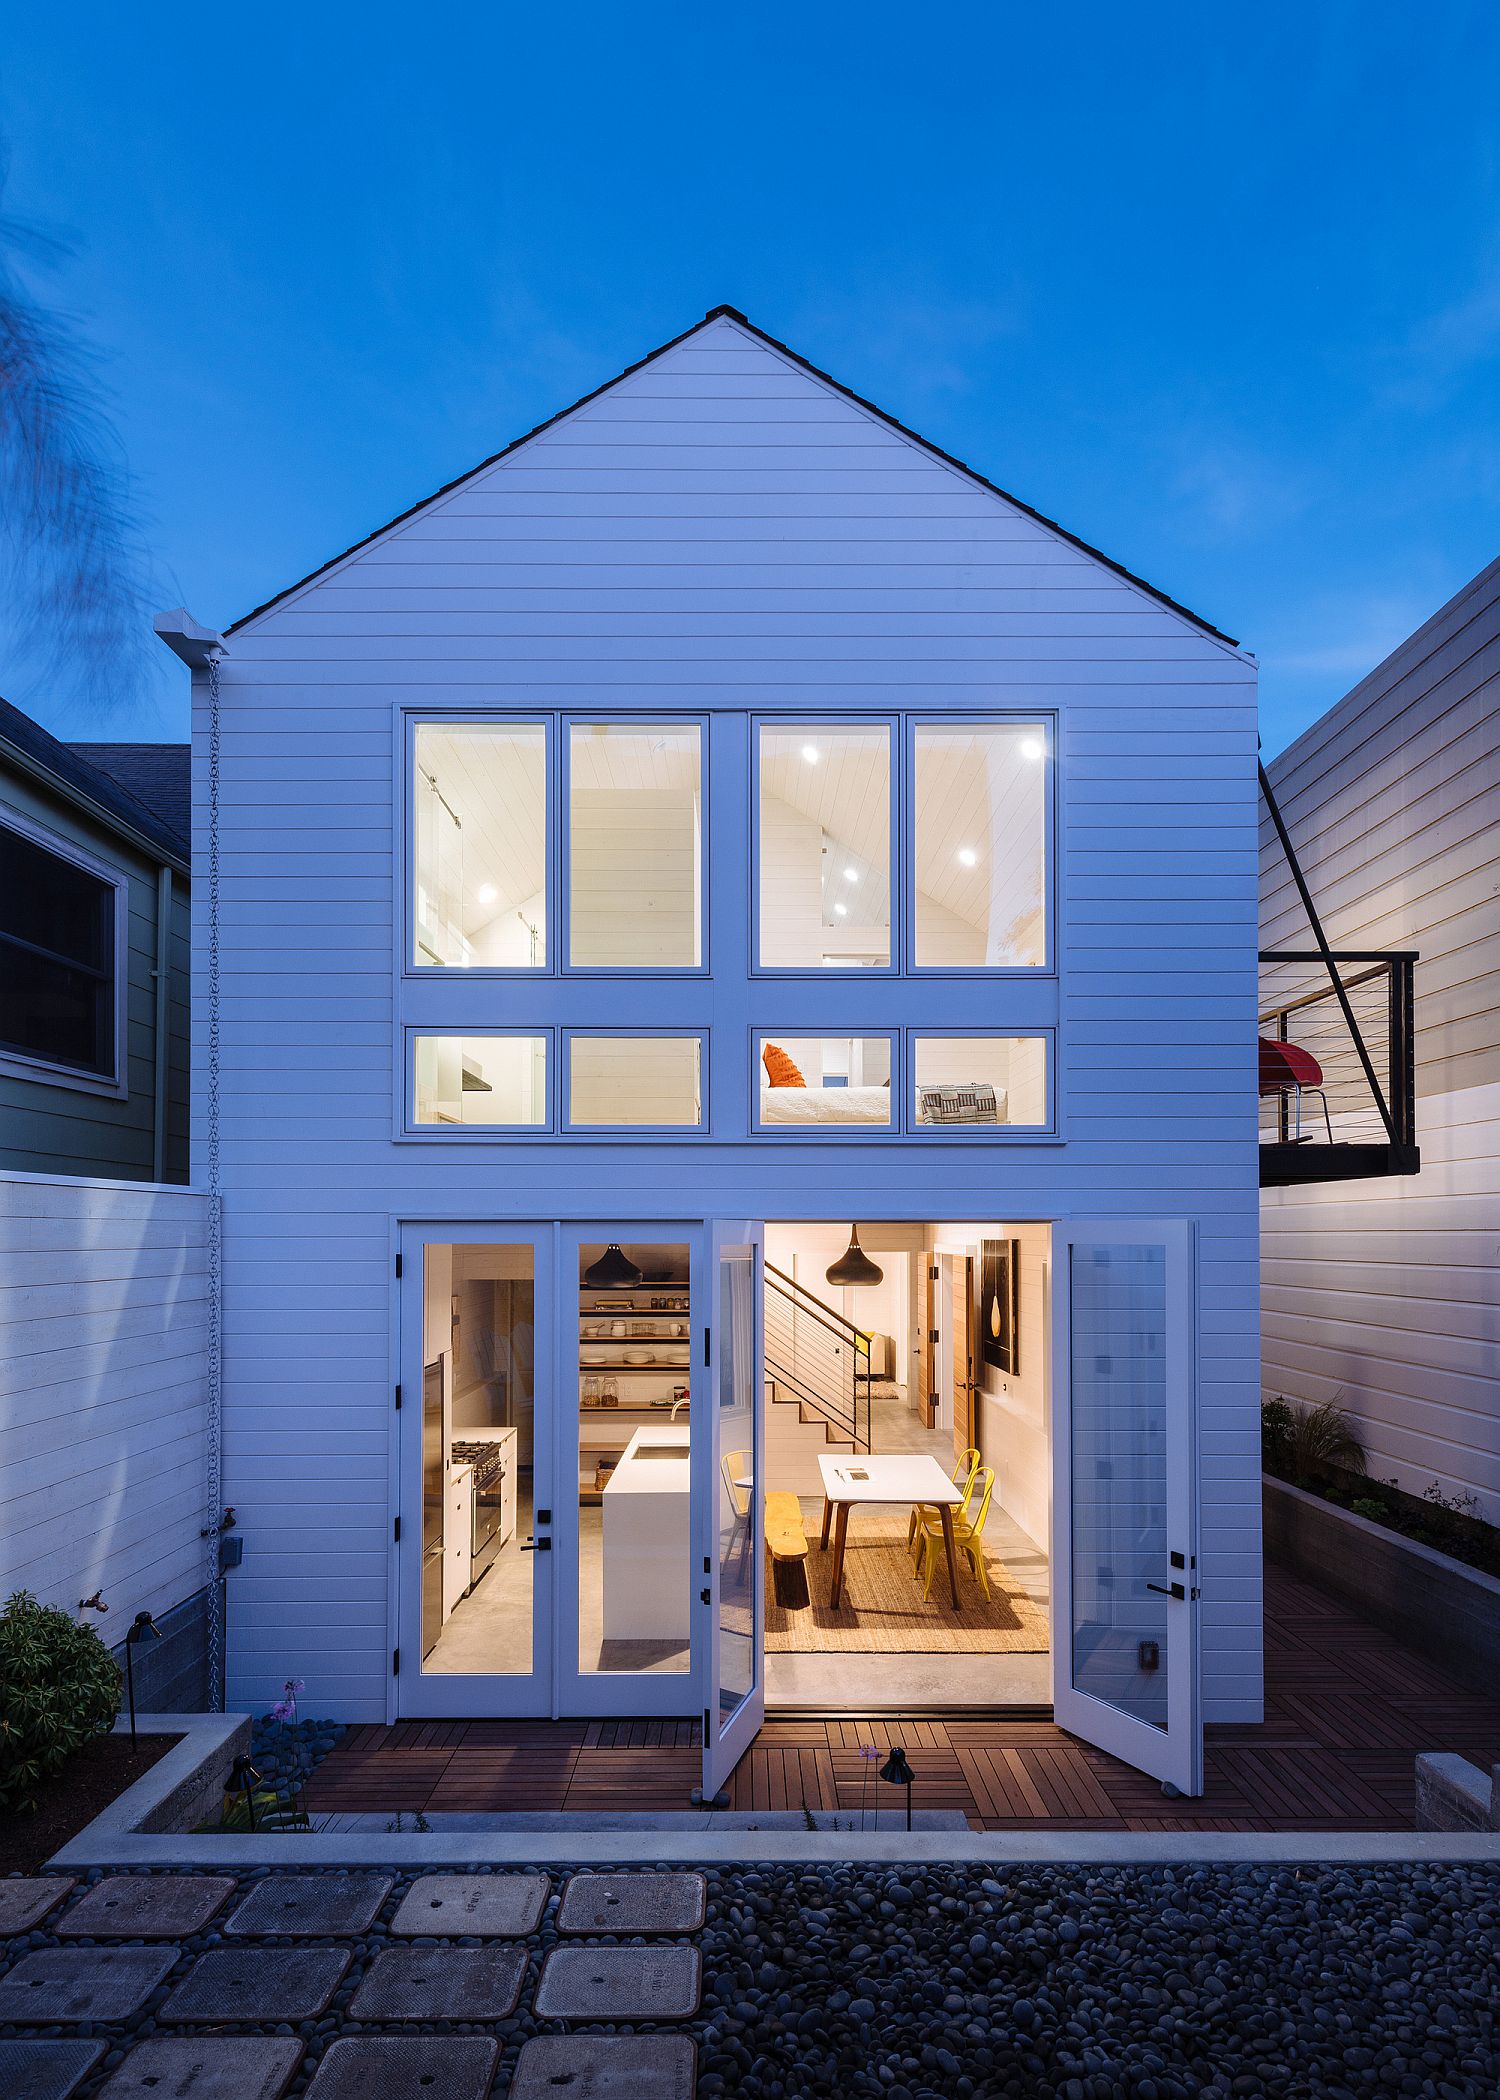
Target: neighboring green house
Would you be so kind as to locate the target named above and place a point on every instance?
(94, 956)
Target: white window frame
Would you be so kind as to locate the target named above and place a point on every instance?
(838, 1133)
(981, 1133)
(413, 718)
(483, 1133)
(858, 973)
(987, 718)
(626, 1031)
(638, 718)
(15, 1064)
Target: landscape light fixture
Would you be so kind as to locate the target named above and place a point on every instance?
(854, 1266)
(242, 1774)
(143, 1628)
(899, 1773)
(613, 1271)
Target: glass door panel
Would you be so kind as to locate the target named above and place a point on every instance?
(729, 1472)
(475, 1496)
(1125, 1567)
(631, 1340)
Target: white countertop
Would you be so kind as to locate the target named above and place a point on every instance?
(635, 1475)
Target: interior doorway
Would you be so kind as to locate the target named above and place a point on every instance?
(912, 1363)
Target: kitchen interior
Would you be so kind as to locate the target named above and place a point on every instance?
(478, 1431)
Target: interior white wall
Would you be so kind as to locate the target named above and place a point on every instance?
(1013, 1410)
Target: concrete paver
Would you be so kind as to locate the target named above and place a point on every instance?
(643, 1903)
(23, 1903)
(619, 1983)
(323, 1904)
(206, 2067)
(81, 1983)
(441, 1983)
(482, 1906)
(606, 2067)
(258, 1983)
(146, 1906)
(45, 2070)
(401, 2067)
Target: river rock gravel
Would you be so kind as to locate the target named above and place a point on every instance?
(1067, 1982)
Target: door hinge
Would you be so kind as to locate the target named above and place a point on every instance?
(398, 1265)
(398, 1399)
(396, 1532)
(395, 1662)
(708, 1349)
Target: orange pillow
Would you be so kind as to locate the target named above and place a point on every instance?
(779, 1067)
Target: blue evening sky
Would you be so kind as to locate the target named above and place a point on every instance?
(1218, 288)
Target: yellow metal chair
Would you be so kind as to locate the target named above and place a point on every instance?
(965, 1468)
(968, 1533)
(734, 1466)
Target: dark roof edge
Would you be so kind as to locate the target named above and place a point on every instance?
(89, 788)
(732, 313)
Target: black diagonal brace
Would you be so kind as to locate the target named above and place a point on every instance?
(1326, 952)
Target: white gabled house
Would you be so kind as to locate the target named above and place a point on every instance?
(715, 822)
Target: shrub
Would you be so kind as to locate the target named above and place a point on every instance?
(1306, 1444)
(59, 1689)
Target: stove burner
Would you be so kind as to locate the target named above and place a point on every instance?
(484, 1458)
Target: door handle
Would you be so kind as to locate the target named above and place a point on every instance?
(537, 1546)
(1174, 1589)
(705, 1596)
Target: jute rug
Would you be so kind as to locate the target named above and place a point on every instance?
(882, 1608)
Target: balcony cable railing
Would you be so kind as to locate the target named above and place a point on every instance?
(816, 1357)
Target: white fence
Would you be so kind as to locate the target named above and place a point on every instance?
(103, 1378)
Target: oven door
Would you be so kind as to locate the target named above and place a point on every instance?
(486, 1524)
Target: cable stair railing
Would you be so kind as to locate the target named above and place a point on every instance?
(817, 1358)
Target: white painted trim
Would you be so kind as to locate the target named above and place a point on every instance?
(115, 1084)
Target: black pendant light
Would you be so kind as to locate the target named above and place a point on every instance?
(613, 1271)
(854, 1266)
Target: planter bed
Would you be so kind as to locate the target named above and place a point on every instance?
(91, 1780)
(1447, 1610)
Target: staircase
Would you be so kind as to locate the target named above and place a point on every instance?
(817, 1385)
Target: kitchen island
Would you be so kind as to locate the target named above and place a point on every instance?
(647, 1566)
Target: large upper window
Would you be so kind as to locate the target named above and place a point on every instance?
(635, 832)
(480, 823)
(980, 845)
(825, 846)
(57, 959)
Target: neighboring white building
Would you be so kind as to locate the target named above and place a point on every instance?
(723, 717)
(1384, 1294)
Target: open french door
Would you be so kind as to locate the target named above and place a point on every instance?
(728, 1470)
(1124, 1496)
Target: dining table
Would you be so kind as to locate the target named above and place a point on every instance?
(911, 1477)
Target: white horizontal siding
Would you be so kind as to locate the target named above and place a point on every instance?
(718, 532)
(103, 1368)
(1383, 1295)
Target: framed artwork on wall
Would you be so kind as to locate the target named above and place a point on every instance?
(1000, 1304)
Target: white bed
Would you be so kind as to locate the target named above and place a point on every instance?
(825, 1104)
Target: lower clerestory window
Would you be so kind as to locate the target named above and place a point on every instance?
(815, 1082)
(481, 1082)
(625, 1081)
(963, 1080)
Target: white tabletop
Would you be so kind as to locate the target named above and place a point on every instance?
(905, 1476)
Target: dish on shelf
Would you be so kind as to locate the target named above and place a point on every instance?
(640, 1356)
(593, 1355)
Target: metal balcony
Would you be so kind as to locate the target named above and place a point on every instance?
(1337, 1060)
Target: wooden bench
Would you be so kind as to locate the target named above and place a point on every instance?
(786, 1541)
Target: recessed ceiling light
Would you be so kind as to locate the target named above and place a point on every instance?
(968, 856)
(487, 893)
(1032, 747)
(851, 874)
(842, 910)
(810, 753)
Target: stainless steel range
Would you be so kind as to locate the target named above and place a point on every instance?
(492, 1489)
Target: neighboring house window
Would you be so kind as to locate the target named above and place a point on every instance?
(479, 822)
(635, 845)
(635, 1081)
(825, 846)
(960, 1081)
(980, 845)
(59, 992)
(481, 1082)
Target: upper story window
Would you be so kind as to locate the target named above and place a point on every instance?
(979, 845)
(59, 963)
(480, 839)
(635, 845)
(825, 846)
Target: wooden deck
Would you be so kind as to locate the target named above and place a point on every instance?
(1347, 1709)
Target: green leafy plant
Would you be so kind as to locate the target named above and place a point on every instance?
(59, 1689)
(1307, 1444)
(1369, 1506)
